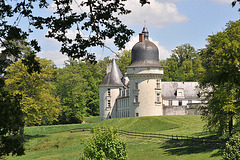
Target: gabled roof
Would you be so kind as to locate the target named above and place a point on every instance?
(191, 89)
(113, 78)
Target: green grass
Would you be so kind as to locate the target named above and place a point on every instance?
(56, 142)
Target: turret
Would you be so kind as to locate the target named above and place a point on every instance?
(109, 91)
(145, 74)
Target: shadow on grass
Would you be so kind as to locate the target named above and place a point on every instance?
(183, 147)
(29, 137)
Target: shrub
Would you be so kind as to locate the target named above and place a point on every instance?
(105, 145)
(232, 150)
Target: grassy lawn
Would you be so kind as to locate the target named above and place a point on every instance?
(56, 142)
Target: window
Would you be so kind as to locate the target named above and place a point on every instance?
(179, 93)
(120, 92)
(170, 102)
(136, 85)
(109, 93)
(109, 103)
(158, 97)
(158, 84)
(136, 99)
(180, 102)
(137, 114)
(189, 101)
(124, 90)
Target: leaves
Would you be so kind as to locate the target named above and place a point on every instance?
(38, 104)
(105, 145)
(221, 59)
(94, 24)
(77, 86)
(184, 65)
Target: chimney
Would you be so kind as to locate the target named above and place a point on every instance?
(141, 37)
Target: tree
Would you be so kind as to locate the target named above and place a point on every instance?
(105, 145)
(232, 149)
(11, 140)
(221, 60)
(183, 65)
(183, 52)
(123, 60)
(77, 85)
(94, 21)
(38, 103)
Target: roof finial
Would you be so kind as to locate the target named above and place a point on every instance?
(145, 31)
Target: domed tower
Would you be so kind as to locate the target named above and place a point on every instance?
(145, 74)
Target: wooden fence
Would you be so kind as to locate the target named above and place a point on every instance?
(161, 136)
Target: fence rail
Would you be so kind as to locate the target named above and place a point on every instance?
(160, 136)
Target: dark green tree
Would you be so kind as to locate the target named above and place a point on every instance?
(184, 65)
(77, 85)
(221, 60)
(11, 120)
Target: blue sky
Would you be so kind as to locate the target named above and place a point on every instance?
(170, 23)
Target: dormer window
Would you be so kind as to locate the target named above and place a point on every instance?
(180, 93)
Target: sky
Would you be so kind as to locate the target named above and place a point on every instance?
(170, 23)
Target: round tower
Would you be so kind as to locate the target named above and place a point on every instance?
(145, 74)
(109, 91)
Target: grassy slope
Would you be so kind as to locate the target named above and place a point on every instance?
(190, 125)
(56, 142)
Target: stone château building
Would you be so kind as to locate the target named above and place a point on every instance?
(140, 92)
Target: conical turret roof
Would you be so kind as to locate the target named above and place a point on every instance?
(113, 78)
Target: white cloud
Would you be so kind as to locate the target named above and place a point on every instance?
(54, 55)
(157, 14)
(163, 52)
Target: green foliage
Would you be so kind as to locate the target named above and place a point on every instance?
(232, 150)
(221, 60)
(99, 22)
(105, 145)
(11, 141)
(77, 86)
(184, 65)
(38, 103)
(123, 60)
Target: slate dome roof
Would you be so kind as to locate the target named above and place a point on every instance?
(145, 53)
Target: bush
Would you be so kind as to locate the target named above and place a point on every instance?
(232, 150)
(105, 145)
